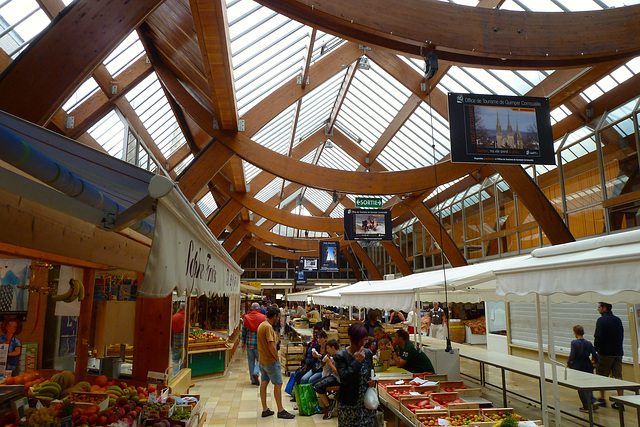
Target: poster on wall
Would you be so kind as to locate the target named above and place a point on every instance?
(329, 256)
(14, 280)
(500, 129)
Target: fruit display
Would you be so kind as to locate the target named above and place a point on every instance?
(423, 404)
(200, 335)
(27, 379)
(510, 421)
(464, 419)
(75, 292)
(501, 416)
(43, 417)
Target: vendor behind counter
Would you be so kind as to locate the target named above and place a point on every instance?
(406, 355)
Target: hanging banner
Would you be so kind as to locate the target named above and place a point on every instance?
(186, 256)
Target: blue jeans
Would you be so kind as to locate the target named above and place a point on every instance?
(310, 377)
(585, 396)
(254, 365)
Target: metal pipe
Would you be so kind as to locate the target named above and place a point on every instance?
(31, 161)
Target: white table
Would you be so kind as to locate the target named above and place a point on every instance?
(631, 401)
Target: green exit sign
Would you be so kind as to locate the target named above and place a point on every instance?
(368, 202)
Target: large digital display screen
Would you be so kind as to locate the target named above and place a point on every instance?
(309, 263)
(500, 129)
(367, 224)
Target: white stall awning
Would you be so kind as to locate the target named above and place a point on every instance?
(606, 266)
(399, 294)
(186, 256)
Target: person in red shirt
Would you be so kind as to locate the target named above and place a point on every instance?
(250, 324)
(177, 327)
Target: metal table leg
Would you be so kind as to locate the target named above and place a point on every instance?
(590, 407)
(504, 389)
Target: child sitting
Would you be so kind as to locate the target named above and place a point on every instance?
(329, 378)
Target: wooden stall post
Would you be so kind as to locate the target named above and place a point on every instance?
(84, 324)
(152, 341)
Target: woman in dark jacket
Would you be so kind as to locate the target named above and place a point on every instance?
(354, 364)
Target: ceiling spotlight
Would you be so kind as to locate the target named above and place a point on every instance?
(430, 65)
(335, 196)
(328, 144)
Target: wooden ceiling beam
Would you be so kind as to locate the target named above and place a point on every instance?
(491, 37)
(5, 60)
(490, 4)
(352, 262)
(364, 257)
(235, 237)
(240, 253)
(342, 94)
(277, 252)
(97, 105)
(205, 165)
(396, 182)
(307, 61)
(397, 257)
(212, 28)
(280, 99)
(70, 50)
(398, 121)
(224, 215)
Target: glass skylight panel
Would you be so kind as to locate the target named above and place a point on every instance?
(466, 81)
(20, 22)
(558, 114)
(336, 158)
(337, 212)
(512, 5)
(310, 156)
(448, 84)
(183, 164)
(620, 3)
(317, 106)
(324, 44)
(622, 74)
(127, 52)
(591, 93)
(150, 104)
(276, 134)
(207, 204)
(270, 190)
(625, 127)
(320, 198)
(622, 111)
(86, 89)
(109, 132)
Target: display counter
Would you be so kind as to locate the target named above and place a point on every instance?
(207, 356)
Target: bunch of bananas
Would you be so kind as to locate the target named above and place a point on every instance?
(115, 393)
(47, 391)
(75, 292)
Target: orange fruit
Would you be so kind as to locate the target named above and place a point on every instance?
(102, 380)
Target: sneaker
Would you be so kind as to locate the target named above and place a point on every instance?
(328, 415)
(267, 413)
(332, 406)
(602, 402)
(617, 406)
(581, 409)
(255, 380)
(284, 414)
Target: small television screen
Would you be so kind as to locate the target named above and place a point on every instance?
(309, 263)
(301, 278)
(329, 256)
(367, 224)
(500, 129)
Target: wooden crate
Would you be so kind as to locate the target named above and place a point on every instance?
(293, 348)
(422, 414)
(444, 397)
(408, 400)
(425, 388)
(392, 401)
(451, 384)
(432, 377)
(466, 412)
(469, 392)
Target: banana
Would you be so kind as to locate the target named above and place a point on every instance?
(51, 385)
(66, 295)
(81, 291)
(116, 389)
(74, 295)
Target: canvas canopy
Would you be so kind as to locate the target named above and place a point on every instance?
(465, 284)
(588, 270)
(303, 295)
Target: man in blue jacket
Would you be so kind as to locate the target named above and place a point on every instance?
(608, 343)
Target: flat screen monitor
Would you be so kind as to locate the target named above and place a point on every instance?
(301, 278)
(309, 263)
(367, 224)
(500, 129)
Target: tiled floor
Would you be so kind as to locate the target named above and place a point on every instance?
(233, 401)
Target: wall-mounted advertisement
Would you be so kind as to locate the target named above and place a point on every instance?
(329, 256)
(500, 129)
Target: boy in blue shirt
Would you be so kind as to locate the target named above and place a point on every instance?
(582, 358)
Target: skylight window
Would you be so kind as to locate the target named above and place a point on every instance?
(86, 89)
(20, 22)
(125, 54)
